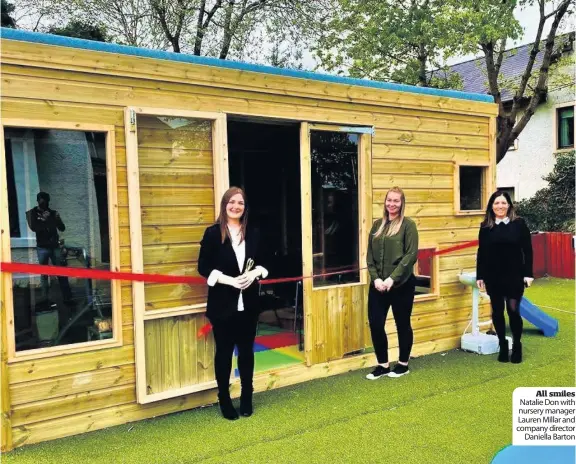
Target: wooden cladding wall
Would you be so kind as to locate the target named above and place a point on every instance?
(417, 140)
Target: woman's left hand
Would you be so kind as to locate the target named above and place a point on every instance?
(387, 285)
(528, 281)
(249, 277)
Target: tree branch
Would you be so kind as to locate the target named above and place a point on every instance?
(540, 89)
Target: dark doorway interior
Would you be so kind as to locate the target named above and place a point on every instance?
(264, 160)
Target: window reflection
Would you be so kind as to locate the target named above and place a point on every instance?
(334, 157)
(58, 212)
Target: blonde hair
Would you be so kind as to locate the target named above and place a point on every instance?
(392, 227)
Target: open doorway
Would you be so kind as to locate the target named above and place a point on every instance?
(264, 160)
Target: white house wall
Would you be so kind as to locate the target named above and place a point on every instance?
(534, 158)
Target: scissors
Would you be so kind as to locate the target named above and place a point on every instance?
(249, 266)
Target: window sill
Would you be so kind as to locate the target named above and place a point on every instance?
(563, 150)
(53, 351)
(476, 212)
(426, 297)
(22, 242)
(329, 287)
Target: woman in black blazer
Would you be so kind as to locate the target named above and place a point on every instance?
(227, 251)
(504, 268)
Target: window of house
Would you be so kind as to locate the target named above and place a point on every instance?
(565, 125)
(471, 188)
(335, 240)
(509, 191)
(58, 209)
(426, 272)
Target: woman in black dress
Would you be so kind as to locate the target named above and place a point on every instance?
(228, 250)
(504, 268)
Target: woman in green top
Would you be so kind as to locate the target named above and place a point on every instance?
(392, 253)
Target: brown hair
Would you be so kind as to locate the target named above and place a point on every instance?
(490, 217)
(392, 227)
(223, 217)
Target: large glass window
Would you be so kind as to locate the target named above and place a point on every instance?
(58, 210)
(565, 118)
(334, 157)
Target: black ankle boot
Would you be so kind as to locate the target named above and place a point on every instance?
(246, 408)
(503, 356)
(516, 357)
(227, 408)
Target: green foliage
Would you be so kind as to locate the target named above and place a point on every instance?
(7, 10)
(385, 39)
(551, 209)
(402, 41)
(81, 30)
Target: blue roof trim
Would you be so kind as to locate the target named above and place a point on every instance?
(49, 39)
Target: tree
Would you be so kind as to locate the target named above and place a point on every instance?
(220, 28)
(81, 30)
(7, 10)
(490, 26)
(407, 41)
(552, 208)
(398, 41)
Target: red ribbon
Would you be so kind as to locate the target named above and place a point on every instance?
(87, 273)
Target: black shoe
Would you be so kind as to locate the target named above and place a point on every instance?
(227, 409)
(379, 371)
(503, 355)
(246, 408)
(516, 356)
(399, 370)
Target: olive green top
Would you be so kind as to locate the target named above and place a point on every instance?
(393, 256)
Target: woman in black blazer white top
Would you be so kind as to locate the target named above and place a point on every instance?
(227, 251)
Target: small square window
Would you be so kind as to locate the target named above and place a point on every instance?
(471, 188)
(426, 273)
(565, 127)
(509, 191)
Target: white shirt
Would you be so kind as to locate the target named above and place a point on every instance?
(240, 252)
(506, 220)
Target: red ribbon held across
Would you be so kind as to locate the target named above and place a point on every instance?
(87, 273)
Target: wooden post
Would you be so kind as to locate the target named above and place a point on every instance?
(307, 264)
(6, 299)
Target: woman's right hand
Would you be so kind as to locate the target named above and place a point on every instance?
(379, 285)
(481, 286)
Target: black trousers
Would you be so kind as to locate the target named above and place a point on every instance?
(402, 300)
(239, 331)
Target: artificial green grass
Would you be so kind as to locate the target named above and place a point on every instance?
(454, 407)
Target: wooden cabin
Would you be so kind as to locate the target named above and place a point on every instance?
(135, 148)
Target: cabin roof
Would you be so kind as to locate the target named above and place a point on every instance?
(49, 39)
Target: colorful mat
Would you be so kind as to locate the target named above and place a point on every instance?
(274, 348)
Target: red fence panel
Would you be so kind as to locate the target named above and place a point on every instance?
(554, 255)
(563, 255)
(539, 250)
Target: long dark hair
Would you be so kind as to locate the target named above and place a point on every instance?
(490, 217)
(223, 217)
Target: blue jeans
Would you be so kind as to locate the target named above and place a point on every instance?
(53, 254)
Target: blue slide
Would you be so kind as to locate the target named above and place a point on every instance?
(539, 318)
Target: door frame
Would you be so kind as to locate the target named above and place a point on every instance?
(221, 181)
(364, 221)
